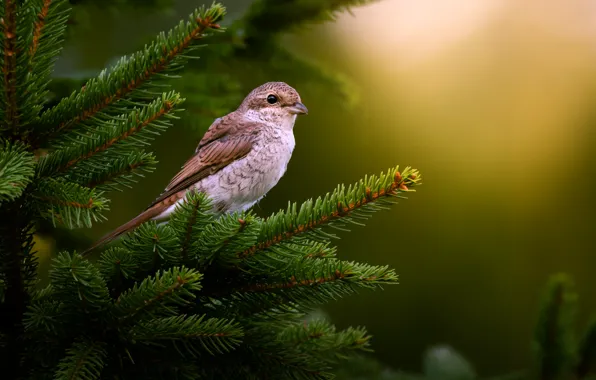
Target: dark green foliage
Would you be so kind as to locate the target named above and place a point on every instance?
(16, 170)
(72, 275)
(192, 334)
(84, 360)
(44, 33)
(68, 203)
(119, 172)
(198, 297)
(139, 304)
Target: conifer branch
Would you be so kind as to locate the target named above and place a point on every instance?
(43, 35)
(334, 209)
(120, 172)
(80, 284)
(331, 271)
(284, 258)
(69, 204)
(38, 26)
(303, 283)
(140, 121)
(131, 76)
(44, 317)
(17, 167)
(90, 152)
(189, 220)
(194, 333)
(154, 246)
(157, 295)
(220, 241)
(83, 360)
(319, 337)
(8, 23)
(117, 263)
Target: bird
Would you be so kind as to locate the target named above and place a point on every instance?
(239, 159)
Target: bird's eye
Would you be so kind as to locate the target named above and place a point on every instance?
(271, 99)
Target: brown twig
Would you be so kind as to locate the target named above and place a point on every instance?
(9, 24)
(60, 202)
(38, 27)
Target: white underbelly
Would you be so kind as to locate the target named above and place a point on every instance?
(244, 182)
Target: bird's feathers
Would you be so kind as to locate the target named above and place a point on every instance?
(228, 139)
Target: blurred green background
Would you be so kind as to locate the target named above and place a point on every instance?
(493, 101)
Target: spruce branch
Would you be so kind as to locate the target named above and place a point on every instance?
(283, 258)
(8, 100)
(159, 295)
(319, 337)
(554, 338)
(154, 246)
(44, 38)
(304, 349)
(276, 354)
(79, 284)
(330, 271)
(342, 206)
(39, 25)
(193, 334)
(221, 240)
(68, 203)
(133, 78)
(113, 139)
(118, 263)
(44, 317)
(84, 360)
(189, 221)
(17, 167)
(304, 283)
(121, 172)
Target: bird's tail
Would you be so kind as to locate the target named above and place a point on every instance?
(126, 227)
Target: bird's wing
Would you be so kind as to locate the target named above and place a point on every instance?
(226, 141)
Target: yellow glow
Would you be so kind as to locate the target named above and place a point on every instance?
(415, 29)
(490, 84)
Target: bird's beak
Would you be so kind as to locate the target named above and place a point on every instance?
(298, 109)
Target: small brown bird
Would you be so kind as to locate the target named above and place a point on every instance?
(239, 159)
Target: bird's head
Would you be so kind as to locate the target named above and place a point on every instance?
(273, 102)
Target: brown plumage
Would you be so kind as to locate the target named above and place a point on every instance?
(240, 157)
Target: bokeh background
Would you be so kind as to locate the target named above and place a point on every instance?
(493, 101)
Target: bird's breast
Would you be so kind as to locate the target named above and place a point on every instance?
(271, 156)
(245, 181)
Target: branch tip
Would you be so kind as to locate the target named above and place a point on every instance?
(342, 210)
